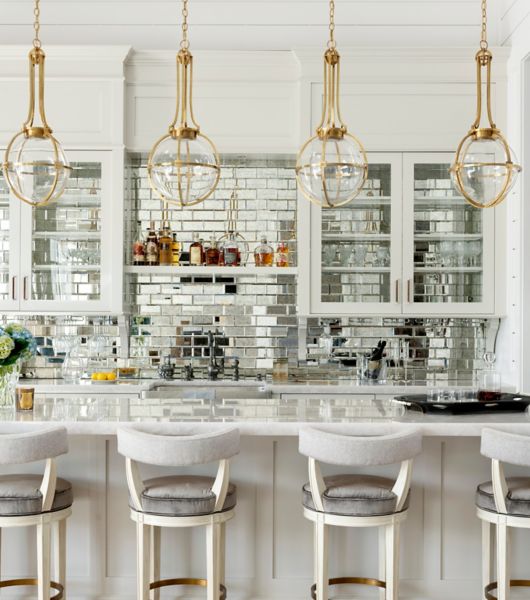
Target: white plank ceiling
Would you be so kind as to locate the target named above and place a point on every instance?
(261, 24)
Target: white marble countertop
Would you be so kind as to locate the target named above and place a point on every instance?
(100, 415)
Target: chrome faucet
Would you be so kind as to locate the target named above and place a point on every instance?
(214, 368)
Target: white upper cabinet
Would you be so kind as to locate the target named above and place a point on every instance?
(408, 244)
(84, 93)
(65, 256)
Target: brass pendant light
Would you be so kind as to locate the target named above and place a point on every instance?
(183, 165)
(485, 168)
(331, 167)
(35, 166)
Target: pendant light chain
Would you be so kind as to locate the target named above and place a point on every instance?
(484, 30)
(331, 43)
(184, 44)
(36, 24)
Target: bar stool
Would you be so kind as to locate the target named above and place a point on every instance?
(503, 502)
(357, 500)
(32, 500)
(179, 500)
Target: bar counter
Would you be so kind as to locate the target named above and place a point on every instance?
(269, 543)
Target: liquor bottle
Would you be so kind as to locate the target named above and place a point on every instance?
(138, 249)
(282, 255)
(263, 254)
(175, 251)
(151, 246)
(196, 251)
(212, 253)
(164, 246)
(230, 255)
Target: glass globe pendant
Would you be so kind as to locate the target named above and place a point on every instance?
(331, 167)
(485, 167)
(35, 166)
(183, 165)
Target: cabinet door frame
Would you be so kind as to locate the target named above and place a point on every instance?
(487, 305)
(110, 216)
(318, 307)
(12, 303)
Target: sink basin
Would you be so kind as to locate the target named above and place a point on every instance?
(215, 390)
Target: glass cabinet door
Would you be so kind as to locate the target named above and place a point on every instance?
(356, 249)
(448, 244)
(9, 256)
(66, 264)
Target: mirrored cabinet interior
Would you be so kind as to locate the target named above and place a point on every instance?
(359, 257)
(65, 248)
(448, 245)
(407, 244)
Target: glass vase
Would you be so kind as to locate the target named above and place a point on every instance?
(9, 376)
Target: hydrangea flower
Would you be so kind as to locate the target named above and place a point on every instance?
(7, 345)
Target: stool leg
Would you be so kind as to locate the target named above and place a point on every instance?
(142, 561)
(392, 561)
(155, 560)
(503, 560)
(59, 547)
(212, 566)
(487, 556)
(221, 552)
(382, 559)
(43, 560)
(322, 579)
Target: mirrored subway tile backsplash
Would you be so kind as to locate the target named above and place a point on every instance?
(253, 327)
(265, 187)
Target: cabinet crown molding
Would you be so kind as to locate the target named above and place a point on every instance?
(72, 61)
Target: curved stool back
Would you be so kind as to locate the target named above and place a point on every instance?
(31, 446)
(178, 447)
(324, 446)
(321, 445)
(503, 503)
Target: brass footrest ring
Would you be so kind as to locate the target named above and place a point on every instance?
(31, 581)
(155, 585)
(351, 581)
(513, 583)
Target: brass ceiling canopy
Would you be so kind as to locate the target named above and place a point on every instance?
(331, 167)
(485, 168)
(183, 165)
(35, 166)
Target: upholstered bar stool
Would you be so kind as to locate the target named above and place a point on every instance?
(357, 500)
(503, 502)
(179, 500)
(41, 501)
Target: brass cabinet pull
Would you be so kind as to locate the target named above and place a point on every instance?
(409, 281)
(14, 287)
(397, 290)
(25, 284)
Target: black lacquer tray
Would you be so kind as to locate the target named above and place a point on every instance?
(505, 403)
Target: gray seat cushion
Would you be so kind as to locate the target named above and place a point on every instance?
(356, 495)
(517, 500)
(20, 495)
(183, 495)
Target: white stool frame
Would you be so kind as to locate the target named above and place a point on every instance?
(49, 524)
(148, 537)
(501, 521)
(389, 535)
